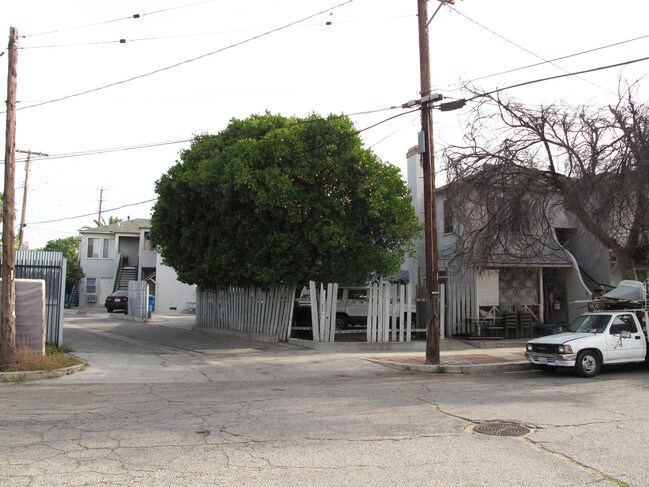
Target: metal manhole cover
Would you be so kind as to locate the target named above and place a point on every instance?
(497, 428)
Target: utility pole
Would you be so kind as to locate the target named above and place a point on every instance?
(101, 200)
(8, 307)
(29, 153)
(430, 211)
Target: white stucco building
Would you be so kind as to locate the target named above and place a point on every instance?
(112, 255)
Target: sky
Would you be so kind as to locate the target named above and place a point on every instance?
(112, 116)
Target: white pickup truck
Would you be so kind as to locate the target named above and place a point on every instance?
(594, 339)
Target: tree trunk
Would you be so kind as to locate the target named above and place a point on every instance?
(626, 264)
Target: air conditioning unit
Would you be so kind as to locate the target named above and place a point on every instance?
(91, 299)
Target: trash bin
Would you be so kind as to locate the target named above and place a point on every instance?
(151, 305)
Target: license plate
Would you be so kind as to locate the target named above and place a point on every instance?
(117, 300)
(543, 360)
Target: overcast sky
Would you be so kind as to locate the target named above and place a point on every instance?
(188, 66)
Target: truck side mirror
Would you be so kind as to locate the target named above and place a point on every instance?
(625, 334)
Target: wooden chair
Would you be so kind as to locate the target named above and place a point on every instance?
(525, 324)
(511, 323)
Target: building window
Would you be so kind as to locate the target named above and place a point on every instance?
(93, 246)
(91, 285)
(448, 218)
(100, 248)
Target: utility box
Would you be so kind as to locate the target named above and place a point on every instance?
(30, 314)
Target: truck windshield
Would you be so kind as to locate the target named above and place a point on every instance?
(590, 324)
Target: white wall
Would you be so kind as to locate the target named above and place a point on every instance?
(101, 269)
(171, 295)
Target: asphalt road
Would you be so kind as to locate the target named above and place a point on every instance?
(161, 404)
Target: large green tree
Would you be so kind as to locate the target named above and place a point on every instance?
(70, 249)
(273, 199)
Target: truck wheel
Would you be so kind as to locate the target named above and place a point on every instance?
(588, 364)
(341, 322)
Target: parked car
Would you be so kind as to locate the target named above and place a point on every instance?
(117, 300)
(352, 308)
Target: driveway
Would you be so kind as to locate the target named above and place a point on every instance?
(161, 404)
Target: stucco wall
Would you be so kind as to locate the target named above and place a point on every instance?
(172, 296)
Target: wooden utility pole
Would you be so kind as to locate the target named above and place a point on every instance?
(101, 201)
(21, 232)
(430, 211)
(8, 307)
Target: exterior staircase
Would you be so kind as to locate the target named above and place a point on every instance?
(127, 274)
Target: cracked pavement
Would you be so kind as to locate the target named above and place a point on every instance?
(161, 404)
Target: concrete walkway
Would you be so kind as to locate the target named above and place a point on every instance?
(457, 356)
(468, 360)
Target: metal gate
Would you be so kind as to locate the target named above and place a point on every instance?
(50, 267)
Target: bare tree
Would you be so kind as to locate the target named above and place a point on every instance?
(521, 167)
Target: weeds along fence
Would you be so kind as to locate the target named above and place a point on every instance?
(253, 311)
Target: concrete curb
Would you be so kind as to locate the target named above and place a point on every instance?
(468, 369)
(28, 376)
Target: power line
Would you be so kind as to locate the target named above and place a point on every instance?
(218, 51)
(148, 145)
(561, 58)
(199, 34)
(130, 17)
(116, 149)
(523, 48)
(91, 214)
(549, 78)
(154, 199)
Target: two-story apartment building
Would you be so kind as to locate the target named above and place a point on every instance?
(112, 255)
(552, 284)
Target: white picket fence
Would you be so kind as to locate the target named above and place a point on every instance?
(323, 312)
(248, 310)
(391, 312)
(390, 316)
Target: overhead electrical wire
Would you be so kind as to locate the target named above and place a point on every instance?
(523, 48)
(155, 199)
(561, 58)
(550, 78)
(108, 150)
(199, 34)
(187, 61)
(148, 145)
(130, 17)
(90, 214)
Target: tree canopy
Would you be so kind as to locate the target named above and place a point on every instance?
(274, 199)
(70, 249)
(530, 163)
